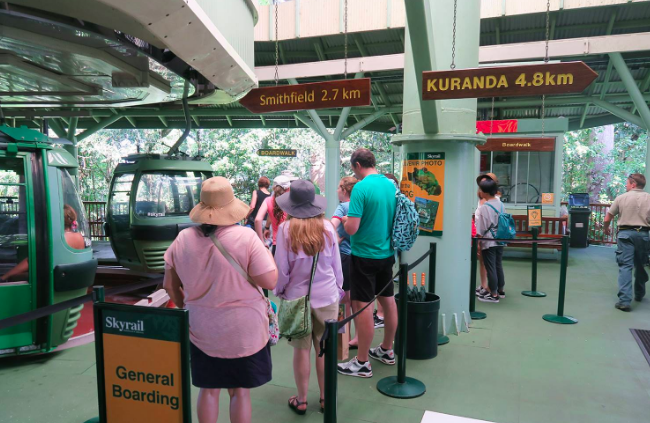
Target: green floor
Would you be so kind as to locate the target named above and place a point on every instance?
(512, 367)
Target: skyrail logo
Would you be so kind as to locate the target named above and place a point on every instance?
(128, 327)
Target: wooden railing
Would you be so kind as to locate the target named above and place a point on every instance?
(96, 215)
(596, 224)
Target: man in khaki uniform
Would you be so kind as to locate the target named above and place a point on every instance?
(633, 210)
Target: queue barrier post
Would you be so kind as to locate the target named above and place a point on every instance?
(442, 339)
(99, 296)
(331, 371)
(533, 284)
(560, 318)
(401, 386)
(475, 315)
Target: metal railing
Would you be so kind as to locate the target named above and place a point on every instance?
(596, 224)
(96, 215)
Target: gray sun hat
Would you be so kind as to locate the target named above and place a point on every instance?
(301, 201)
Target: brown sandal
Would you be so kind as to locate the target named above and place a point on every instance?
(294, 404)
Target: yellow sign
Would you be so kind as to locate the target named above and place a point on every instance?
(142, 379)
(423, 181)
(534, 216)
(548, 198)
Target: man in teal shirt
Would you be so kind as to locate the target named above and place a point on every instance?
(370, 224)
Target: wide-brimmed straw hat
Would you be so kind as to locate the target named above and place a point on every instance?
(218, 204)
(301, 201)
(488, 175)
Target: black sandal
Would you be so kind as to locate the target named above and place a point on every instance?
(322, 405)
(294, 404)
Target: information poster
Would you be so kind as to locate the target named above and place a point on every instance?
(548, 198)
(423, 181)
(143, 364)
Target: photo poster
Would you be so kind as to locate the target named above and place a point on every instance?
(423, 182)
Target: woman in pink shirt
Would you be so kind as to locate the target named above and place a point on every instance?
(281, 184)
(300, 238)
(229, 324)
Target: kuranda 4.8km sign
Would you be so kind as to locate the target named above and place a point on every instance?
(507, 81)
(142, 364)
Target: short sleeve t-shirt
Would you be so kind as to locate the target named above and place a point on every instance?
(344, 246)
(373, 200)
(632, 208)
(227, 314)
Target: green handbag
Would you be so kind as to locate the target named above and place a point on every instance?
(294, 316)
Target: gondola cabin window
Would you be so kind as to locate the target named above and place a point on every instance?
(169, 193)
(14, 238)
(75, 223)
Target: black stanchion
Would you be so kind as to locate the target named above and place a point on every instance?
(401, 386)
(475, 315)
(332, 329)
(533, 284)
(442, 339)
(560, 318)
(98, 297)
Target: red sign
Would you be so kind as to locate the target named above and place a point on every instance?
(507, 81)
(518, 144)
(496, 126)
(316, 95)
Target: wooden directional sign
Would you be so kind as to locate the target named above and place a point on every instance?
(268, 152)
(507, 81)
(518, 144)
(317, 95)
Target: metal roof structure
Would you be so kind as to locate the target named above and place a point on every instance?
(583, 33)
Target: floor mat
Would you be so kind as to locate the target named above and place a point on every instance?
(643, 339)
(432, 417)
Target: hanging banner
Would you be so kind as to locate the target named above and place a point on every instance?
(142, 363)
(507, 81)
(496, 126)
(534, 216)
(270, 152)
(316, 95)
(518, 144)
(423, 181)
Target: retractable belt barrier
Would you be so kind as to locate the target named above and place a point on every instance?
(328, 345)
(559, 318)
(64, 305)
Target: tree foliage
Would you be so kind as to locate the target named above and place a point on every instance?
(231, 152)
(587, 164)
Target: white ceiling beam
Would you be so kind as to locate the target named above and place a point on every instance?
(574, 47)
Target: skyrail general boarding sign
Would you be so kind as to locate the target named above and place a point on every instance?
(316, 95)
(507, 81)
(142, 364)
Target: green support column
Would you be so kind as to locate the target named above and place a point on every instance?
(449, 127)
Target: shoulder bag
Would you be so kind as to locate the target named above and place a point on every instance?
(295, 315)
(274, 334)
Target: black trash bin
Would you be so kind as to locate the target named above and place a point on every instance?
(422, 328)
(579, 217)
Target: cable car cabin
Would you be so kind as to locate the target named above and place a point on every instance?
(149, 203)
(45, 254)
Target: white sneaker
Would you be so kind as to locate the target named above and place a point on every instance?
(354, 368)
(385, 356)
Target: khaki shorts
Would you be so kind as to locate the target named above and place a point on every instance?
(318, 318)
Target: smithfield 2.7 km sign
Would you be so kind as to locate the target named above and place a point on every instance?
(507, 81)
(316, 95)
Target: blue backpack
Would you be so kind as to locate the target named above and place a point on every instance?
(505, 227)
(405, 224)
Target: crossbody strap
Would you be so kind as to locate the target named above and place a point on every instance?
(490, 228)
(233, 263)
(313, 272)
